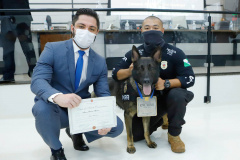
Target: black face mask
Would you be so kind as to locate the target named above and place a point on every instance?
(152, 39)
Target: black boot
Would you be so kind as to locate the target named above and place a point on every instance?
(9, 80)
(59, 155)
(78, 142)
(30, 70)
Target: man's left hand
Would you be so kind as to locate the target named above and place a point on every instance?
(104, 131)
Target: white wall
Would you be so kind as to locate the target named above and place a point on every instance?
(163, 4)
(17, 100)
(224, 89)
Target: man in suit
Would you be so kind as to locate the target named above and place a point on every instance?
(58, 86)
(16, 25)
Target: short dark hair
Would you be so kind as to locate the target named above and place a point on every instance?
(86, 11)
(153, 17)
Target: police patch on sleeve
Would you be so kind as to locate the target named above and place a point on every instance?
(124, 59)
(186, 63)
(164, 65)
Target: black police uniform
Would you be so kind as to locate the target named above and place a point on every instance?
(174, 64)
(16, 25)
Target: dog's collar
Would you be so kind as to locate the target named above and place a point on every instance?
(139, 92)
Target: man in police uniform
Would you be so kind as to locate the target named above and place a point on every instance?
(176, 75)
(16, 25)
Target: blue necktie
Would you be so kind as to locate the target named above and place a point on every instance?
(78, 71)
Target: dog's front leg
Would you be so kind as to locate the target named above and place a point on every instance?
(146, 126)
(128, 122)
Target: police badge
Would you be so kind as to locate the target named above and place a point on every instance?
(164, 64)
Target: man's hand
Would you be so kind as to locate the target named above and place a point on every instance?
(125, 73)
(104, 131)
(160, 84)
(130, 69)
(67, 100)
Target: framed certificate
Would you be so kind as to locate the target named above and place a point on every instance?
(93, 114)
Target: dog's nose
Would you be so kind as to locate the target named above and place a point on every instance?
(146, 80)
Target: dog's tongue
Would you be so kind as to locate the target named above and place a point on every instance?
(146, 89)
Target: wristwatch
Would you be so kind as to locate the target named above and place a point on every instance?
(167, 84)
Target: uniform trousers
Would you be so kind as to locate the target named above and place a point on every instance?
(11, 31)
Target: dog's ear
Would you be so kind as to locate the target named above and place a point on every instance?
(135, 54)
(157, 54)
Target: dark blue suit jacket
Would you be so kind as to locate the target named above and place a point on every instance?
(55, 72)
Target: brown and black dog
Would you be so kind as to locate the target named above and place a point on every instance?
(145, 72)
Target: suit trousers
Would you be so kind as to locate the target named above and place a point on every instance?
(50, 118)
(11, 31)
(173, 102)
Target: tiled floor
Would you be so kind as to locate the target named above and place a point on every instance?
(21, 77)
(211, 132)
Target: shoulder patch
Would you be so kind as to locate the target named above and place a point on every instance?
(186, 63)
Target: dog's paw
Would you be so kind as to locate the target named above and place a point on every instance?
(131, 149)
(152, 145)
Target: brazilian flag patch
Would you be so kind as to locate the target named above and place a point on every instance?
(186, 63)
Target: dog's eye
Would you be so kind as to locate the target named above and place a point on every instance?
(142, 67)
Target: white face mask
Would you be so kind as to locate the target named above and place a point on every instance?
(84, 38)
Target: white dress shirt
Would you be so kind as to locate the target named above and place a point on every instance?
(84, 69)
(85, 61)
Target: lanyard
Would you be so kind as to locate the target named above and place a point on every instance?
(139, 92)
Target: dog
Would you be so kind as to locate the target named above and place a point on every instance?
(145, 72)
